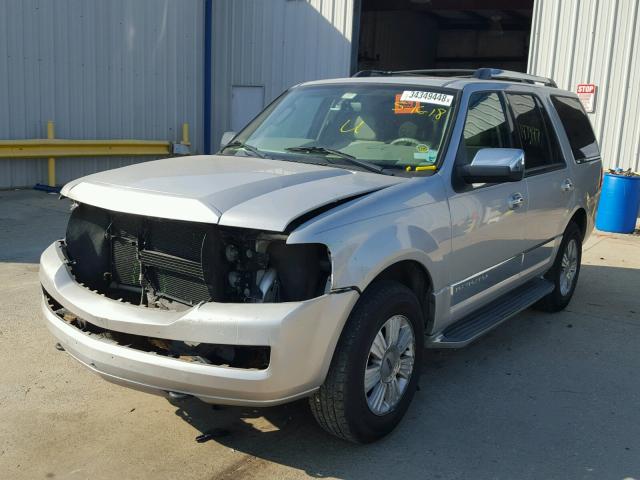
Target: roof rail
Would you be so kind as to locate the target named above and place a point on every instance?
(437, 72)
(498, 74)
(480, 73)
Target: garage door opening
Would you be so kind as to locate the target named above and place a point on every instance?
(444, 34)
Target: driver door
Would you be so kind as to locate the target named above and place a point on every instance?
(488, 220)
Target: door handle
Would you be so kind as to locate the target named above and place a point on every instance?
(516, 201)
(567, 185)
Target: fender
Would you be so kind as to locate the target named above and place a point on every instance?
(410, 221)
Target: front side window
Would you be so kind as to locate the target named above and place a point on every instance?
(540, 149)
(486, 125)
(578, 128)
(398, 128)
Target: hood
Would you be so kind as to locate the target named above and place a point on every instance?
(234, 191)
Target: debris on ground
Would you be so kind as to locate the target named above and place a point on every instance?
(624, 173)
(212, 434)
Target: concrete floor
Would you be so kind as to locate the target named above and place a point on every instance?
(542, 397)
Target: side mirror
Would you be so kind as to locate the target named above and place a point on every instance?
(226, 138)
(495, 165)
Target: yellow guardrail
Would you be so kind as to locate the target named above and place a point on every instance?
(52, 148)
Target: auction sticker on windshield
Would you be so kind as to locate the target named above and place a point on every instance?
(427, 97)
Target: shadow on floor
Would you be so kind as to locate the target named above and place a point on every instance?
(543, 396)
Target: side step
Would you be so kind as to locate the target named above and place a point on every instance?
(477, 323)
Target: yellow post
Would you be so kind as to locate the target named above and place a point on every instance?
(51, 134)
(185, 134)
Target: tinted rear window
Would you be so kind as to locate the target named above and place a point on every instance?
(576, 124)
(538, 143)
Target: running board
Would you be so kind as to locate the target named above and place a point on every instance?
(477, 323)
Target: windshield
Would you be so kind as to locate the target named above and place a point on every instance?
(388, 127)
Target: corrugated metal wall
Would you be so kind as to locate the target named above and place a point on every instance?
(595, 41)
(99, 69)
(275, 44)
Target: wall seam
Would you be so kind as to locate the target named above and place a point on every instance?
(573, 42)
(607, 68)
(534, 39)
(554, 43)
(592, 33)
(625, 82)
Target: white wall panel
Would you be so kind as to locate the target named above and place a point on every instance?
(595, 41)
(99, 69)
(275, 44)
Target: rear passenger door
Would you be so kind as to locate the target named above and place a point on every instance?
(549, 183)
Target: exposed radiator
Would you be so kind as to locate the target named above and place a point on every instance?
(168, 254)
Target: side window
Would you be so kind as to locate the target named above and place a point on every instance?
(485, 126)
(578, 128)
(539, 144)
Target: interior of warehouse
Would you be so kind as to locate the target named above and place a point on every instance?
(444, 34)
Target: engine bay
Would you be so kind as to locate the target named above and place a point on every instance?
(174, 264)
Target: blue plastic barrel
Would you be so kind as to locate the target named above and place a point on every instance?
(619, 204)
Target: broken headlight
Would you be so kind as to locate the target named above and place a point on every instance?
(263, 268)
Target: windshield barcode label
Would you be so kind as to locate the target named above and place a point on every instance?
(427, 97)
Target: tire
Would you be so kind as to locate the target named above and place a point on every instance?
(341, 406)
(561, 295)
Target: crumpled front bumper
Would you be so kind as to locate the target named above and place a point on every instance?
(302, 337)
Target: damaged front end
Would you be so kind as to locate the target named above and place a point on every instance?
(172, 264)
(235, 356)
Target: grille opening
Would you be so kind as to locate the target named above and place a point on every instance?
(234, 356)
(174, 264)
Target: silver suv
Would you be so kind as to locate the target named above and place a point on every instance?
(351, 224)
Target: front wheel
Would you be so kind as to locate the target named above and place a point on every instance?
(375, 369)
(564, 272)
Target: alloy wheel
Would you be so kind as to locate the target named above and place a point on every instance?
(568, 267)
(389, 365)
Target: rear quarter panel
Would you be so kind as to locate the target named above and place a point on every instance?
(587, 176)
(588, 185)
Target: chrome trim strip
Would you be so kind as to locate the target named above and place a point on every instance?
(485, 279)
(538, 254)
(489, 278)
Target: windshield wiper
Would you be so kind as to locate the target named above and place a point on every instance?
(249, 148)
(345, 156)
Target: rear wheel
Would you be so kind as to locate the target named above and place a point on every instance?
(375, 368)
(564, 272)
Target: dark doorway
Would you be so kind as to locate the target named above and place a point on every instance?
(418, 34)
